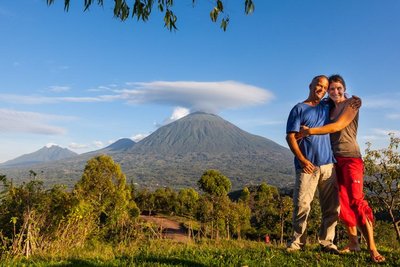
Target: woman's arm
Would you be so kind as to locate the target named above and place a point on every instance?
(347, 116)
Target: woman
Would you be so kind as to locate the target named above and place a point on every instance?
(354, 209)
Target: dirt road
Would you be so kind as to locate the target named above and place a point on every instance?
(170, 229)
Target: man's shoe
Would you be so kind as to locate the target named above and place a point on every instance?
(293, 248)
(331, 250)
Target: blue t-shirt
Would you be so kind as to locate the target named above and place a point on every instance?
(316, 148)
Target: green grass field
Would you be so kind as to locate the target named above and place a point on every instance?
(205, 253)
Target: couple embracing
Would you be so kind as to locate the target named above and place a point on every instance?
(321, 133)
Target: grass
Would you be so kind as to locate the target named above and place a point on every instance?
(205, 253)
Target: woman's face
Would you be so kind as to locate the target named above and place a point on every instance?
(336, 92)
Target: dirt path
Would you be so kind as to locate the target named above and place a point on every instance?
(170, 229)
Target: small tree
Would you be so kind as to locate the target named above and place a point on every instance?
(34, 213)
(214, 183)
(103, 187)
(266, 210)
(145, 200)
(165, 200)
(285, 215)
(216, 186)
(383, 168)
(187, 199)
(245, 195)
(239, 215)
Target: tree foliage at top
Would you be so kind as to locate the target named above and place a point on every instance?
(103, 187)
(215, 183)
(141, 10)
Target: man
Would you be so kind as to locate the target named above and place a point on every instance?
(314, 168)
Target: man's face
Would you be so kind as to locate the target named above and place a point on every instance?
(319, 87)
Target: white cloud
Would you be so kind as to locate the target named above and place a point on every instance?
(98, 144)
(29, 122)
(198, 96)
(103, 88)
(393, 116)
(37, 100)
(77, 146)
(380, 134)
(138, 137)
(387, 101)
(378, 103)
(59, 89)
(177, 113)
(263, 122)
(386, 132)
(48, 145)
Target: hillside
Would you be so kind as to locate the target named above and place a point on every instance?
(177, 154)
(45, 154)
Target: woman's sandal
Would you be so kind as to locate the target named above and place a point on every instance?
(378, 258)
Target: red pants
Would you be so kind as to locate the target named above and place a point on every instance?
(354, 209)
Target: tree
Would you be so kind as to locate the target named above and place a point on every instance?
(216, 186)
(33, 212)
(383, 168)
(141, 9)
(187, 199)
(214, 183)
(245, 195)
(285, 215)
(266, 210)
(238, 218)
(145, 200)
(165, 200)
(103, 187)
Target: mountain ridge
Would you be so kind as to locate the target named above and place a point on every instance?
(177, 154)
(45, 154)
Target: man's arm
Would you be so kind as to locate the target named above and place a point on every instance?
(308, 167)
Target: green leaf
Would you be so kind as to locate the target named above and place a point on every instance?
(214, 14)
(220, 6)
(248, 6)
(66, 5)
(224, 23)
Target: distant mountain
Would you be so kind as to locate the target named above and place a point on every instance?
(201, 132)
(45, 154)
(177, 154)
(119, 146)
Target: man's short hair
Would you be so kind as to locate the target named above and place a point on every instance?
(316, 78)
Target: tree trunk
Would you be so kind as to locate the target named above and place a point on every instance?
(212, 229)
(282, 229)
(395, 224)
(227, 230)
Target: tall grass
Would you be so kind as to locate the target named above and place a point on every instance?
(204, 253)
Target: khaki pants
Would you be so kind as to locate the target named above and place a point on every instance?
(324, 178)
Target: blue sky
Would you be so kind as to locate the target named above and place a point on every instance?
(84, 79)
